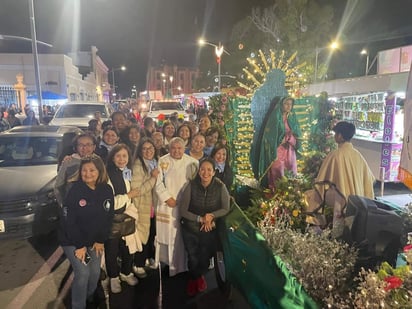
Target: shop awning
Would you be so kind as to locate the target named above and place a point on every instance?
(48, 95)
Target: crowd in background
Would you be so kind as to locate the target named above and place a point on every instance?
(9, 119)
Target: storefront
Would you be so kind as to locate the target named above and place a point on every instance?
(379, 122)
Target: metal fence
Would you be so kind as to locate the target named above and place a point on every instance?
(8, 96)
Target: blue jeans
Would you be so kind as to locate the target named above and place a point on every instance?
(85, 278)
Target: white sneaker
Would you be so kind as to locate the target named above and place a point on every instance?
(211, 263)
(140, 272)
(130, 279)
(115, 285)
(152, 264)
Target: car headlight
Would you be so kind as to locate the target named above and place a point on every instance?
(46, 195)
(46, 198)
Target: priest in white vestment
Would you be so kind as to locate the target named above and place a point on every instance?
(176, 169)
(346, 167)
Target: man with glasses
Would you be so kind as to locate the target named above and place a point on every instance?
(83, 145)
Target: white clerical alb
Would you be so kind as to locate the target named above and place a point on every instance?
(174, 174)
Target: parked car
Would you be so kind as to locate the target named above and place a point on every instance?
(28, 170)
(79, 113)
(166, 108)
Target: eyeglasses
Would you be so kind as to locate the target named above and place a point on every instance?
(147, 148)
(85, 145)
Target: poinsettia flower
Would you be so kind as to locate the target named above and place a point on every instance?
(407, 248)
(393, 282)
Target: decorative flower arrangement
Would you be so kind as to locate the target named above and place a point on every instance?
(388, 288)
(286, 203)
(161, 118)
(311, 163)
(323, 266)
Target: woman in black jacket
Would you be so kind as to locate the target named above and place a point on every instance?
(204, 200)
(87, 214)
(224, 172)
(120, 175)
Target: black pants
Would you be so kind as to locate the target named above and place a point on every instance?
(148, 248)
(114, 248)
(200, 247)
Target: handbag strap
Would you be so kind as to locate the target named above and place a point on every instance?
(120, 210)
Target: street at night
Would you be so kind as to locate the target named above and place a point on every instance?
(36, 274)
(230, 154)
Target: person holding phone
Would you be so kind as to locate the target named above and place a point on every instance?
(85, 224)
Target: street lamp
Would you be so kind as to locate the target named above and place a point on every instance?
(34, 42)
(219, 50)
(332, 46)
(122, 68)
(164, 87)
(365, 52)
(171, 85)
(22, 38)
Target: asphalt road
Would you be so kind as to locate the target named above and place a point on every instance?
(35, 274)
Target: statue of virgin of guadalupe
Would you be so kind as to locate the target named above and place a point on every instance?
(279, 142)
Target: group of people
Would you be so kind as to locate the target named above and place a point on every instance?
(8, 118)
(174, 180)
(164, 178)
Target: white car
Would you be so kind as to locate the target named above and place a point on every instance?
(166, 108)
(79, 113)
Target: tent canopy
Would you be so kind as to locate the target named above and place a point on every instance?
(48, 95)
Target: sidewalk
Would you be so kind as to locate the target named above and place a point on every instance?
(396, 193)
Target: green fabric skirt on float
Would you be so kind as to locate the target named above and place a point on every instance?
(251, 267)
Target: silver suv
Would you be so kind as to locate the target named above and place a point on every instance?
(28, 170)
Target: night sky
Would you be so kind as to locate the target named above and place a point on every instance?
(136, 33)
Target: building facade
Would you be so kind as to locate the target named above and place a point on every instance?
(171, 80)
(59, 74)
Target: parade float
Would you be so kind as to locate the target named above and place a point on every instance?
(269, 256)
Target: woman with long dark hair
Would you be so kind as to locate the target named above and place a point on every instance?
(220, 154)
(145, 172)
(203, 201)
(131, 137)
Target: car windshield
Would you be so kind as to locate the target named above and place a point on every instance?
(26, 151)
(157, 106)
(80, 111)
